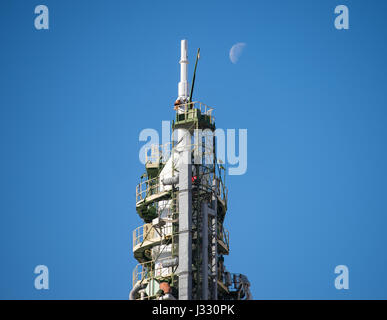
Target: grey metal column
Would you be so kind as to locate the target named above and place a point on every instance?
(214, 241)
(204, 209)
(185, 219)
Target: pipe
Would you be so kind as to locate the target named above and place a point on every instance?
(167, 296)
(248, 294)
(137, 287)
(170, 181)
(170, 262)
(142, 294)
(245, 286)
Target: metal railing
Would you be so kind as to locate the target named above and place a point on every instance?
(221, 185)
(152, 270)
(158, 153)
(223, 235)
(222, 191)
(142, 233)
(188, 110)
(147, 188)
(148, 232)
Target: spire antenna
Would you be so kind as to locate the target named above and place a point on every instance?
(183, 84)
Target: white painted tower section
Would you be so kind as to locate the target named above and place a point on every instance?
(185, 198)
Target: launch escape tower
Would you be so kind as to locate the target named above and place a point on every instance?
(182, 198)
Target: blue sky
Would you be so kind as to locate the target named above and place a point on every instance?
(74, 98)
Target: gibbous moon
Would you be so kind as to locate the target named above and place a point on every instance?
(236, 51)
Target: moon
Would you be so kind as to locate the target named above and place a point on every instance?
(236, 51)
